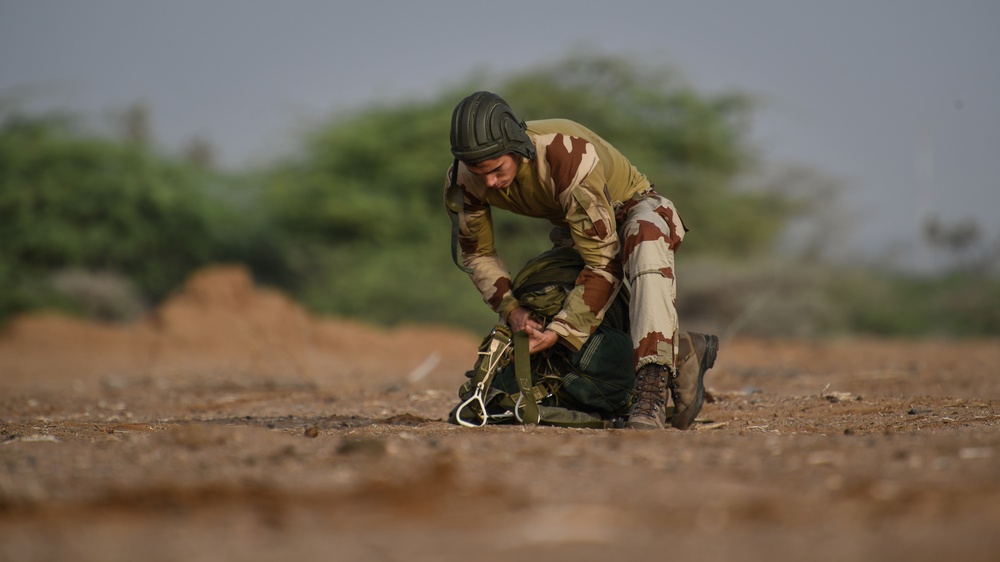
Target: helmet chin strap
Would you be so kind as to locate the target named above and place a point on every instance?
(454, 200)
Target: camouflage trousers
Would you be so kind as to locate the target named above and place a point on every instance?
(650, 231)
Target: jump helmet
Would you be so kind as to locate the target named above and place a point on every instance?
(483, 126)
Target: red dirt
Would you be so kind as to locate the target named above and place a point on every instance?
(231, 424)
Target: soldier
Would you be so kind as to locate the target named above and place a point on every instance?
(607, 210)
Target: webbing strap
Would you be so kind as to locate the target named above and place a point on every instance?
(522, 370)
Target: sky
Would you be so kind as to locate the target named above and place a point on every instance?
(897, 99)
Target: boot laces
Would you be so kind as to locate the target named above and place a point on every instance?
(650, 387)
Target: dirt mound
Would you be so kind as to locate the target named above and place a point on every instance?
(221, 325)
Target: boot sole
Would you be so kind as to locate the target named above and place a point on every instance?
(711, 352)
(642, 424)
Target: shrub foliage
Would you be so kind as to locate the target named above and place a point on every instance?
(352, 222)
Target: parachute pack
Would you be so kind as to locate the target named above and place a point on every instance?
(586, 388)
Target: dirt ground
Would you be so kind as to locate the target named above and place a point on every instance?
(231, 425)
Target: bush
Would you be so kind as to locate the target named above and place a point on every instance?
(362, 208)
(777, 299)
(73, 201)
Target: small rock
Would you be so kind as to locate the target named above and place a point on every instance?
(312, 432)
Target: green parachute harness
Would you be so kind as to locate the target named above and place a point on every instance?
(586, 388)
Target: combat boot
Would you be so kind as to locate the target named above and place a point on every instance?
(687, 382)
(649, 398)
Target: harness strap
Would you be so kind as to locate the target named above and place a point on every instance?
(522, 370)
(494, 354)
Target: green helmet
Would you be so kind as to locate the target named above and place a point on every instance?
(483, 126)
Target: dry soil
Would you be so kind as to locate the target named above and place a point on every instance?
(230, 424)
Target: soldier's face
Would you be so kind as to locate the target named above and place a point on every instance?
(497, 173)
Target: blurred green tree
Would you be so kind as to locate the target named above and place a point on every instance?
(353, 224)
(693, 146)
(69, 200)
(362, 202)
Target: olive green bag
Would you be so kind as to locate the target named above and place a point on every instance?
(586, 388)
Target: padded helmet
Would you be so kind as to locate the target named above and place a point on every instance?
(483, 126)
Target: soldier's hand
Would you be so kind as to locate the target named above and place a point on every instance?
(540, 340)
(520, 319)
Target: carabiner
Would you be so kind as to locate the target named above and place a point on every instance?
(477, 396)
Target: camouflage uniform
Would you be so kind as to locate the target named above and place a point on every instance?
(617, 223)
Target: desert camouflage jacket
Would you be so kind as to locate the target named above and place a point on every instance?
(576, 181)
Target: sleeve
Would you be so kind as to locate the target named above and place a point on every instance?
(591, 219)
(478, 253)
